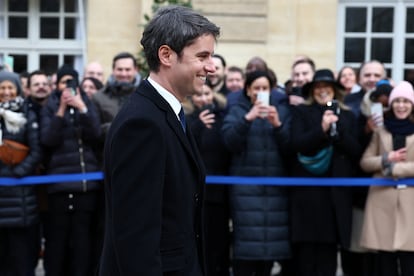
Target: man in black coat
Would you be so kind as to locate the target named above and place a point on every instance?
(154, 178)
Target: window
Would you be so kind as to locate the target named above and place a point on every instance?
(383, 30)
(42, 34)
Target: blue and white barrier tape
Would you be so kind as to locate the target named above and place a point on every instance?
(229, 180)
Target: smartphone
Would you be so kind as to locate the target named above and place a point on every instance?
(71, 83)
(376, 108)
(377, 113)
(333, 105)
(209, 107)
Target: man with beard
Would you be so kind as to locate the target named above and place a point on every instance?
(217, 79)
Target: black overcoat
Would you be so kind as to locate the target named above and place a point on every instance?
(154, 181)
(323, 214)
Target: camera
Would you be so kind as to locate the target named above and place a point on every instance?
(72, 84)
(333, 105)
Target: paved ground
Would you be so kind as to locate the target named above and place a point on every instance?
(276, 268)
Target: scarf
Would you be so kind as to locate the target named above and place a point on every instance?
(399, 127)
(12, 118)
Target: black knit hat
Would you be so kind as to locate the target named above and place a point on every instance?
(65, 70)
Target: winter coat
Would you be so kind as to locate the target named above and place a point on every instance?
(18, 204)
(69, 141)
(109, 101)
(388, 221)
(259, 212)
(215, 155)
(323, 214)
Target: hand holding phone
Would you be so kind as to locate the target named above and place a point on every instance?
(377, 114)
(71, 83)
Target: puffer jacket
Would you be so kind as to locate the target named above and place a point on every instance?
(18, 204)
(69, 141)
(259, 212)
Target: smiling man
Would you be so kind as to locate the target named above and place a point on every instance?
(154, 177)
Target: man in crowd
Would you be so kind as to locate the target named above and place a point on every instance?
(217, 79)
(123, 81)
(95, 70)
(303, 69)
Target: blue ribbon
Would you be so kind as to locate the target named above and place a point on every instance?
(216, 179)
(302, 181)
(48, 179)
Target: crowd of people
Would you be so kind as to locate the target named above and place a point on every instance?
(57, 124)
(316, 124)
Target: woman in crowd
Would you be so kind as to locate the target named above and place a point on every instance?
(18, 204)
(205, 122)
(388, 222)
(325, 140)
(70, 128)
(348, 78)
(90, 86)
(256, 134)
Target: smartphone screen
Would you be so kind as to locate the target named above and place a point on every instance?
(376, 108)
(71, 83)
(377, 113)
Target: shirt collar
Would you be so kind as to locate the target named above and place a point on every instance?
(168, 96)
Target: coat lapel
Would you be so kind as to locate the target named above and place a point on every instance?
(187, 142)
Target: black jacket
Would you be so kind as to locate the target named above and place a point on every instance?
(69, 141)
(214, 153)
(18, 204)
(323, 214)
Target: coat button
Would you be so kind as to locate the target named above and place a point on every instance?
(70, 195)
(70, 207)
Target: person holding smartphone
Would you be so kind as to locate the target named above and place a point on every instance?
(205, 122)
(321, 215)
(388, 222)
(69, 129)
(256, 132)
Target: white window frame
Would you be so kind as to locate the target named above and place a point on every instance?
(33, 46)
(398, 35)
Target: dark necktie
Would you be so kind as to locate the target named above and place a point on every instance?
(182, 118)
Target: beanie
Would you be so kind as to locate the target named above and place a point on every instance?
(66, 70)
(14, 78)
(404, 90)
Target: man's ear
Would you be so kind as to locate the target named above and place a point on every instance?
(166, 55)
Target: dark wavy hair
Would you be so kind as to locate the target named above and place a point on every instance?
(177, 27)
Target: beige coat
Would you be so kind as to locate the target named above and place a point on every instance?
(389, 212)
